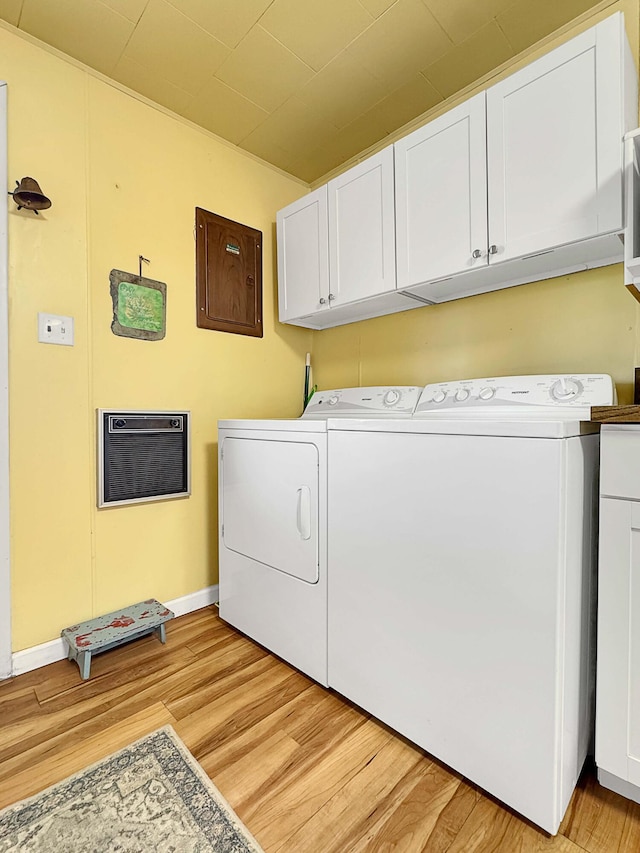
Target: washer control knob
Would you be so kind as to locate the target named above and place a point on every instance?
(120, 423)
(439, 396)
(333, 400)
(391, 397)
(462, 394)
(486, 393)
(564, 390)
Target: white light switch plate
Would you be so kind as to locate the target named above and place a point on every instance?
(55, 329)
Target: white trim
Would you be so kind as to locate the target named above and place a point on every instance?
(56, 650)
(5, 577)
(195, 600)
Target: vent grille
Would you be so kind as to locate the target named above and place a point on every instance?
(144, 456)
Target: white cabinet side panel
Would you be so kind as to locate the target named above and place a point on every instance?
(612, 692)
(634, 649)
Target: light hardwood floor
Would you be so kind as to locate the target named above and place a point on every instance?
(304, 769)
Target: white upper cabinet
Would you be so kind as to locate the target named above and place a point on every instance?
(303, 256)
(441, 196)
(522, 182)
(362, 230)
(337, 250)
(554, 142)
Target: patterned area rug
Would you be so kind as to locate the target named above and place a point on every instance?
(151, 797)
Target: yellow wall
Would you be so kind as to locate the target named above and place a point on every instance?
(124, 179)
(579, 323)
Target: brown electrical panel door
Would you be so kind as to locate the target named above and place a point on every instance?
(228, 275)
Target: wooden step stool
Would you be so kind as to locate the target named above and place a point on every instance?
(107, 632)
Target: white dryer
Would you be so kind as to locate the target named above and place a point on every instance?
(462, 556)
(273, 521)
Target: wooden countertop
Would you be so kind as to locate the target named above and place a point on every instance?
(615, 414)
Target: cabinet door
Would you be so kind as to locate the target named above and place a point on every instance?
(618, 681)
(362, 230)
(303, 256)
(441, 196)
(554, 139)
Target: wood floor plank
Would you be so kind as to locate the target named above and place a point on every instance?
(241, 707)
(492, 827)
(345, 817)
(257, 770)
(18, 705)
(452, 818)
(299, 795)
(600, 821)
(81, 753)
(404, 821)
(288, 719)
(107, 675)
(212, 677)
(305, 769)
(31, 735)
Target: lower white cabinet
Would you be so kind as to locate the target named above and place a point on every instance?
(618, 668)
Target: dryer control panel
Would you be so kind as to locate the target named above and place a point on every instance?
(553, 395)
(385, 401)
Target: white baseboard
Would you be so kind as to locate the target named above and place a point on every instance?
(55, 650)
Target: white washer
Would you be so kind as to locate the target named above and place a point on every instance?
(461, 553)
(273, 518)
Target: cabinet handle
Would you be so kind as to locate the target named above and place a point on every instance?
(331, 296)
(322, 300)
(477, 253)
(493, 249)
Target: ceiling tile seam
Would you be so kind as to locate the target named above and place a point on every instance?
(257, 23)
(444, 32)
(133, 29)
(177, 8)
(258, 126)
(282, 44)
(195, 24)
(433, 85)
(115, 11)
(439, 22)
(370, 14)
(499, 26)
(244, 97)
